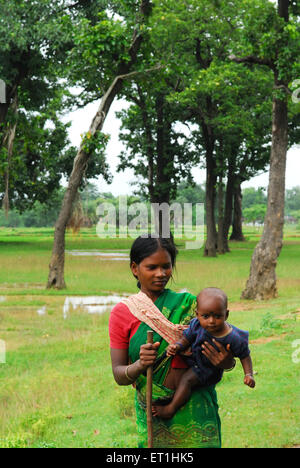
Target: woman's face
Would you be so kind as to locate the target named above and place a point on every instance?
(153, 273)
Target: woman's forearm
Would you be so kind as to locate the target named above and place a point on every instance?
(126, 375)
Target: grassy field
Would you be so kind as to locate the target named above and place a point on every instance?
(56, 387)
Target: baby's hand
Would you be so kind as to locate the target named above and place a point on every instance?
(249, 380)
(172, 350)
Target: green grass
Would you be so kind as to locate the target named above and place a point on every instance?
(57, 388)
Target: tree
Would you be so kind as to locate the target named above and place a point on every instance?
(273, 42)
(292, 201)
(227, 105)
(126, 59)
(159, 153)
(255, 214)
(254, 196)
(37, 161)
(35, 39)
(237, 224)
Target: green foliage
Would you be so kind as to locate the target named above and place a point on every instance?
(39, 159)
(190, 193)
(267, 36)
(269, 323)
(45, 214)
(292, 201)
(38, 423)
(98, 50)
(15, 440)
(34, 65)
(255, 214)
(152, 139)
(230, 103)
(39, 214)
(255, 202)
(253, 196)
(92, 143)
(102, 48)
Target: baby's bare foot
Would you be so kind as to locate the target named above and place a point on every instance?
(164, 412)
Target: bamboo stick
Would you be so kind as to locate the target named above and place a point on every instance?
(149, 396)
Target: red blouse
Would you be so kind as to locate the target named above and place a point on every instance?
(123, 325)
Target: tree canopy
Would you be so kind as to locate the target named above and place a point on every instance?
(36, 37)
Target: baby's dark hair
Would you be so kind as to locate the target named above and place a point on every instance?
(144, 246)
(215, 292)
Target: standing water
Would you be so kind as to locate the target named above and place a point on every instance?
(91, 304)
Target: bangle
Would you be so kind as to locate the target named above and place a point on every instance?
(127, 376)
(231, 368)
(248, 375)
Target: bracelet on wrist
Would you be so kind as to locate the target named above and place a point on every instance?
(127, 376)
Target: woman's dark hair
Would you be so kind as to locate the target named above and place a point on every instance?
(143, 247)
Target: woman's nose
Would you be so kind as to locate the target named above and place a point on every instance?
(161, 272)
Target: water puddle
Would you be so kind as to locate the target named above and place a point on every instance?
(114, 256)
(42, 311)
(91, 304)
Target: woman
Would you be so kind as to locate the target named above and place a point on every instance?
(197, 424)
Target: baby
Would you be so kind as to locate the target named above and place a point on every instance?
(209, 325)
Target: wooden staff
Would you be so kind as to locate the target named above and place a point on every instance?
(149, 396)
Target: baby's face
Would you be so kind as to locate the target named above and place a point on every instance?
(211, 313)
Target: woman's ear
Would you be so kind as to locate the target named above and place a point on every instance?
(134, 269)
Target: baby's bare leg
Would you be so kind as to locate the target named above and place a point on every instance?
(188, 381)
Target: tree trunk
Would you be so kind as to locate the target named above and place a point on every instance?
(150, 144)
(11, 92)
(56, 267)
(283, 9)
(262, 280)
(10, 96)
(162, 184)
(4, 108)
(3, 112)
(237, 226)
(8, 141)
(228, 202)
(210, 249)
(221, 243)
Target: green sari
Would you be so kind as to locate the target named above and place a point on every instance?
(197, 423)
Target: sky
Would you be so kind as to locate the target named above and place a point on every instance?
(81, 120)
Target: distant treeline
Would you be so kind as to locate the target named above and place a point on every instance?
(45, 214)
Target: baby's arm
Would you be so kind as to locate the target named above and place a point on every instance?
(248, 371)
(180, 345)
